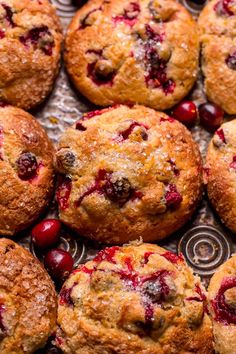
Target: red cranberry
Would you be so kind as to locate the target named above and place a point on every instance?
(46, 233)
(231, 61)
(224, 8)
(211, 116)
(186, 113)
(59, 263)
(172, 196)
(27, 165)
(41, 37)
(233, 163)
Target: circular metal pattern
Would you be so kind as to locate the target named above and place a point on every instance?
(68, 243)
(65, 8)
(205, 248)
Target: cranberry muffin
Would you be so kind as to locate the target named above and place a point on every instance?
(30, 43)
(222, 306)
(28, 302)
(220, 173)
(217, 24)
(26, 170)
(145, 52)
(133, 299)
(127, 172)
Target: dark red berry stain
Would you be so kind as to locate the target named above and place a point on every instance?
(172, 196)
(65, 295)
(79, 126)
(27, 166)
(206, 171)
(223, 8)
(224, 313)
(173, 258)
(37, 37)
(89, 115)
(83, 22)
(221, 135)
(129, 15)
(2, 34)
(201, 298)
(231, 61)
(1, 144)
(9, 15)
(233, 163)
(2, 310)
(124, 135)
(63, 192)
(146, 257)
(119, 191)
(156, 66)
(167, 119)
(174, 167)
(107, 255)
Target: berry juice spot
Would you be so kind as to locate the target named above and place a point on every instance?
(39, 37)
(107, 255)
(129, 15)
(88, 20)
(8, 15)
(224, 312)
(65, 295)
(124, 135)
(174, 167)
(221, 135)
(233, 163)
(167, 119)
(63, 192)
(225, 8)
(173, 258)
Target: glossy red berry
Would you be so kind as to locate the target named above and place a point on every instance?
(186, 113)
(59, 263)
(46, 233)
(211, 116)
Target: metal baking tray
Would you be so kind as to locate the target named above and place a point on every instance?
(204, 241)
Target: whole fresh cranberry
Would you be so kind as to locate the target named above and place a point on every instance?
(27, 165)
(46, 233)
(186, 113)
(59, 264)
(211, 116)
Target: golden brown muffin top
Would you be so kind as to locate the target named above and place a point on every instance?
(133, 299)
(145, 52)
(27, 301)
(222, 305)
(130, 172)
(26, 169)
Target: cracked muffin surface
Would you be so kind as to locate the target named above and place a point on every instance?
(222, 306)
(28, 301)
(220, 173)
(135, 299)
(30, 44)
(217, 23)
(127, 172)
(146, 52)
(26, 170)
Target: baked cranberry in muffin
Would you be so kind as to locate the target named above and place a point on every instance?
(26, 170)
(145, 52)
(27, 301)
(133, 299)
(130, 172)
(220, 179)
(30, 44)
(222, 306)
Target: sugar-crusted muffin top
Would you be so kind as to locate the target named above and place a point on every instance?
(27, 301)
(30, 41)
(222, 306)
(129, 172)
(26, 169)
(133, 299)
(220, 173)
(145, 52)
